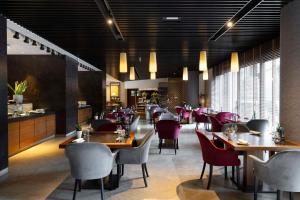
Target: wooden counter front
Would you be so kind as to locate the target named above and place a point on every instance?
(23, 134)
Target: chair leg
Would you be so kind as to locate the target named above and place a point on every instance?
(174, 143)
(75, 189)
(177, 145)
(119, 170)
(197, 125)
(144, 176)
(102, 188)
(210, 176)
(122, 169)
(255, 188)
(238, 176)
(203, 169)
(79, 185)
(291, 196)
(146, 170)
(225, 171)
(278, 194)
(160, 144)
(232, 172)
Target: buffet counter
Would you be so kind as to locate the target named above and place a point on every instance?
(27, 131)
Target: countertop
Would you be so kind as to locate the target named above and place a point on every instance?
(31, 116)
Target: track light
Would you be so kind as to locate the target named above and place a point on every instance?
(26, 40)
(42, 47)
(16, 35)
(34, 43)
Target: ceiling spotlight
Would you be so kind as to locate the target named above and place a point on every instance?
(16, 35)
(26, 40)
(229, 24)
(42, 47)
(171, 18)
(48, 50)
(34, 43)
(109, 21)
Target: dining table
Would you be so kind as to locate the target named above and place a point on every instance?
(256, 144)
(112, 140)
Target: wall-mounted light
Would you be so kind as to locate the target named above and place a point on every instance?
(185, 74)
(234, 64)
(123, 62)
(132, 74)
(16, 35)
(152, 75)
(205, 75)
(152, 62)
(203, 61)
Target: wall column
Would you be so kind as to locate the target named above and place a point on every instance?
(192, 88)
(290, 70)
(3, 98)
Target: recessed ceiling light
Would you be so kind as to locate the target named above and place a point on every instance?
(229, 24)
(171, 18)
(109, 21)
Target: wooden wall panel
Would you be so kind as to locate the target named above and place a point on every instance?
(50, 125)
(13, 138)
(3, 96)
(40, 129)
(27, 137)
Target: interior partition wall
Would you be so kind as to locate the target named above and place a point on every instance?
(3, 98)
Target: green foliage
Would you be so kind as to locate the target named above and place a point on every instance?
(20, 88)
(78, 127)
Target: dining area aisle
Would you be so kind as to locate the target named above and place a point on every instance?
(171, 176)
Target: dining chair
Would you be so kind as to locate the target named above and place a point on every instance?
(168, 129)
(137, 155)
(98, 123)
(224, 116)
(260, 125)
(155, 118)
(179, 110)
(281, 171)
(215, 156)
(216, 125)
(133, 126)
(89, 161)
(201, 118)
(185, 115)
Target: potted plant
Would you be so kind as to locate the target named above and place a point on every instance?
(78, 130)
(18, 91)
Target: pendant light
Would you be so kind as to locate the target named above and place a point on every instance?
(185, 74)
(234, 65)
(152, 62)
(205, 75)
(132, 74)
(152, 75)
(203, 61)
(123, 62)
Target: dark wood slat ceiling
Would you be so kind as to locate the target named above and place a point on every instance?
(79, 27)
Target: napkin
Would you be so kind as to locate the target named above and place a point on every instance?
(242, 142)
(79, 140)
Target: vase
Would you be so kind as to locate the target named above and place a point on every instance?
(18, 99)
(79, 134)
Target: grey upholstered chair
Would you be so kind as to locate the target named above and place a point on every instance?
(137, 155)
(89, 161)
(134, 124)
(281, 171)
(260, 125)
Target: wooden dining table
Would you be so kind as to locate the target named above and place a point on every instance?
(257, 145)
(108, 138)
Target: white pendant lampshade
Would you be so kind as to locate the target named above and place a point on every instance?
(185, 74)
(234, 65)
(152, 62)
(123, 62)
(203, 61)
(132, 74)
(205, 75)
(152, 75)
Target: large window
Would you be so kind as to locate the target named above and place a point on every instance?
(252, 92)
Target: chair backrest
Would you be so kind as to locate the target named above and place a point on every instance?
(260, 125)
(207, 147)
(222, 116)
(134, 124)
(144, 147)
(178, 109)
(216, 125)
(97, 123)
(89, 160)
(107, 127)
(168, 129)
(281, 171)
(201, 118)
(168, 116)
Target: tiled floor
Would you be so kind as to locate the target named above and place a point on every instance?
(42, 172)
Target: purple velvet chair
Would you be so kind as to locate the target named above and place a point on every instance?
(216, 125)
(168, 129)
(224, 117)
(186, 115)
(201, 118)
